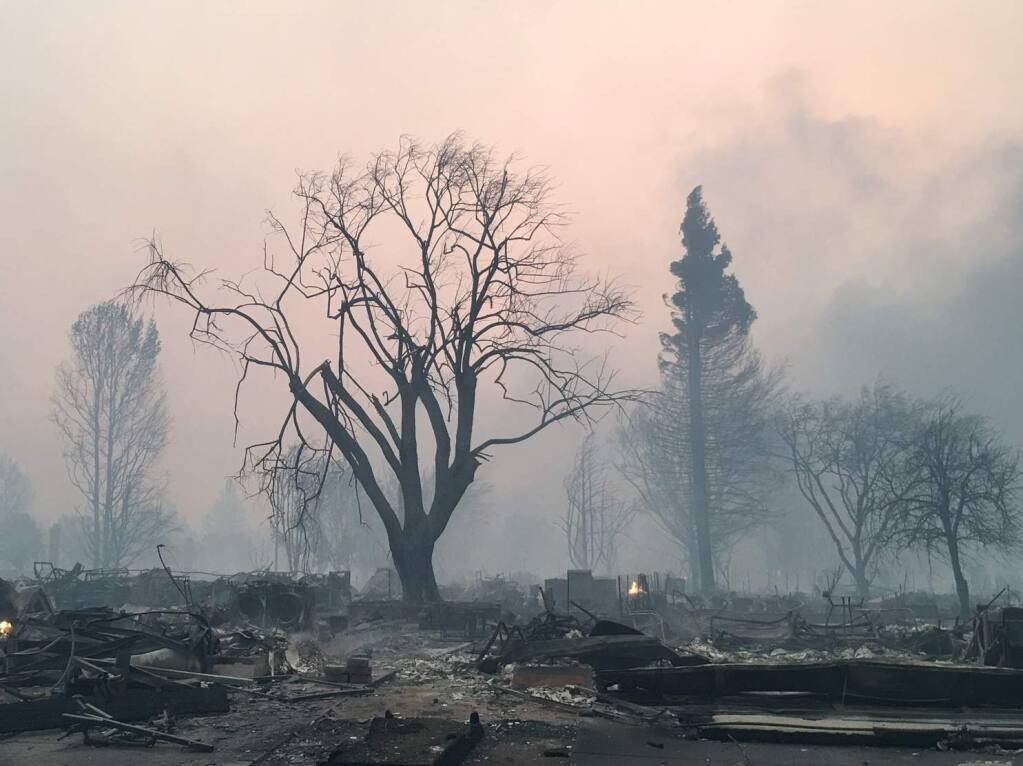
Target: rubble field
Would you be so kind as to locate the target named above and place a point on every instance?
(279, 669)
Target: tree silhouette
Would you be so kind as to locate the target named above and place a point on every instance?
(483, 300)
(709, 310)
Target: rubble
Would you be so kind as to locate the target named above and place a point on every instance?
(998, 639)
(265, 600)
(551, 637)
(852, 674)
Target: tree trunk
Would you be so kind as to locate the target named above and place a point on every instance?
(862, 583)
(962, 587)
(414, 561)
(97, 536)
(698, 447)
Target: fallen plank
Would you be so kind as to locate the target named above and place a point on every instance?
(330, 694)
(326, 682)
(842, 731)
(111, 723)
(211, 677)
(554, 704)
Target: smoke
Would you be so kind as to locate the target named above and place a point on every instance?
(870, 250)
(873, 231)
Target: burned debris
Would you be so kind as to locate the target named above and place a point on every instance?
(745, 668)
(635, 650)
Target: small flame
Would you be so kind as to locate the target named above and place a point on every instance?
(6, 626)
(635, 589)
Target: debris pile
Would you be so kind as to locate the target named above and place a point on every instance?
(267, 600)
(839, 673)
(119, 660)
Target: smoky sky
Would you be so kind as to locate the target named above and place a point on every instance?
(863, 163)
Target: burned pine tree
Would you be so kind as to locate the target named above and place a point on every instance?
(965, 489)
(698, 451)
(851, 463)
(595, 516)
(480, 299)
(109, 405)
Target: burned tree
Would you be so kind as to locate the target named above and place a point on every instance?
(480, 298)
(851, 465)
(698, 451)
(709, 309)
(595, 516)
(739, 395)
(965, 489)
(109, 405)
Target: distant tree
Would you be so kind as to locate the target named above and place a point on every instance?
(16, 492)
(595, 516)
(20, 538)
(851, 463)
(294, 499)
(965, 490)
(352, 536)
(230, 539)
(109, 405)
(699, 451)
(320, 519)
(21, 541)
(483, 304)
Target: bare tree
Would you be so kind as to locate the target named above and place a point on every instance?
(317, 515)
(485, 301)
(739, 393)
(109, 405)
(234, 535)
(595, 516)
(296, 525)
(850, 463)
(350, 533)
(965, 489)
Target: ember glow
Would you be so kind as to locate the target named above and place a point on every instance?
(6, 626)
(635, 589)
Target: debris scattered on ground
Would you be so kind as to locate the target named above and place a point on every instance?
(131, 676)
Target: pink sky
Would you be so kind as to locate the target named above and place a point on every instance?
(190, 119)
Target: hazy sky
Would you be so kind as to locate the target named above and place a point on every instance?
(862, 160)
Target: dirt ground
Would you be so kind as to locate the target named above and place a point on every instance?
(264, 732)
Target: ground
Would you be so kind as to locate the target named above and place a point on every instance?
(434, 682)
